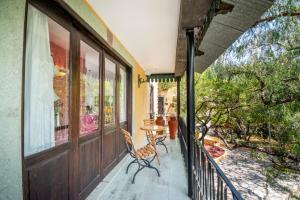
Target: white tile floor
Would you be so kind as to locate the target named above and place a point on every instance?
(171, 185)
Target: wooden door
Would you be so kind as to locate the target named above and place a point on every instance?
(47, 103)
(123, 104)
(110, 139)
(89, 117)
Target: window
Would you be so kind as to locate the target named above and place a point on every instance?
(46, 83)
(123, 95)
(89, 89)
(109, 93)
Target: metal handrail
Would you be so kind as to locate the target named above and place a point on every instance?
(206, 172)
(220, 172)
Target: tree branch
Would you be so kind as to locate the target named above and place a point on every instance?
(271, 18)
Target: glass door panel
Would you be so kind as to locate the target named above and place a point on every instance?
(109, 93)
(46, 109)
(89, 89)
(123, 96)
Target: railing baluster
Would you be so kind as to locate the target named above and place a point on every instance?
(221, 182)
(194, 176)
(213, 180)
(218, 188)
(209, 181)
(200, 170)
(203, 172)
(197, 172)
(204, 177)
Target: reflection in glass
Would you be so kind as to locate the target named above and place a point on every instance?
(46, 83)
(109, 93)
(122, 95)
(89, 89)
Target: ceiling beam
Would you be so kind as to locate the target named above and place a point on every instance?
(224, 8)
(195, 14)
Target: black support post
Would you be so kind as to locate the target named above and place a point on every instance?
(190, 106)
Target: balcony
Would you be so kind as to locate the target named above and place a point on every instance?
(171, 185)
(96, 90)
(209, 181)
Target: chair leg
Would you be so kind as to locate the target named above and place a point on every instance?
(140, 169)
(151, 160)
(158, 174)
(134, 161)
(148, 164)
(161, 142)
(165, 147)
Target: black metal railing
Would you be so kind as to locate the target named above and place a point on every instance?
(209, 181)
(182, 134)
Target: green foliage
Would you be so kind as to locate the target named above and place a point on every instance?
(183, 97)
(254, 88)
(164, 86)
(260, 99)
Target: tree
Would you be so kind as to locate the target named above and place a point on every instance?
(253, 89)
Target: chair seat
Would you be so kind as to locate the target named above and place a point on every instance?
(146, 152)
(160, 135)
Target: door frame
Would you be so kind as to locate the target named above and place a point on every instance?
(126, 123)
(65, 149)
(110, 129)
(81, 140)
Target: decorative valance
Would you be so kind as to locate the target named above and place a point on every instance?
(170, 77)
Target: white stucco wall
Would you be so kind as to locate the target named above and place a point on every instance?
(155, 96)
(12, 15)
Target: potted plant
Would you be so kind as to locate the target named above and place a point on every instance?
(173, 125)
(160, 122)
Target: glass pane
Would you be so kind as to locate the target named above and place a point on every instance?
(46, 83)
(122, 95)
(109, 92)
(89, 89)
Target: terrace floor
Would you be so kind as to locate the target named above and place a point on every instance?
(171, 185)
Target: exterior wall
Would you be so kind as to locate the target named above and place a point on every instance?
(141, 104)
(155, 84)
(12, 15)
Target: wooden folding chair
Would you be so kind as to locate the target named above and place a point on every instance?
(142, 156)
(160, 136)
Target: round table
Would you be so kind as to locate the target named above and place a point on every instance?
(152, 128)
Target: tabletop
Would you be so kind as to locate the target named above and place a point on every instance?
(152, 128)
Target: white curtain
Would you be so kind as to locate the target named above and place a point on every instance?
(39, 92)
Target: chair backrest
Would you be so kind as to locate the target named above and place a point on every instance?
(151, 138)
(129, 142)
(148, 122)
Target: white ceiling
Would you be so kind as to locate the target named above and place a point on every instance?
(147, 28)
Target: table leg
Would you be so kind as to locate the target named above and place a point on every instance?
(152, 139)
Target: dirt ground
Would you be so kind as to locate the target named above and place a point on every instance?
(249, 174)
